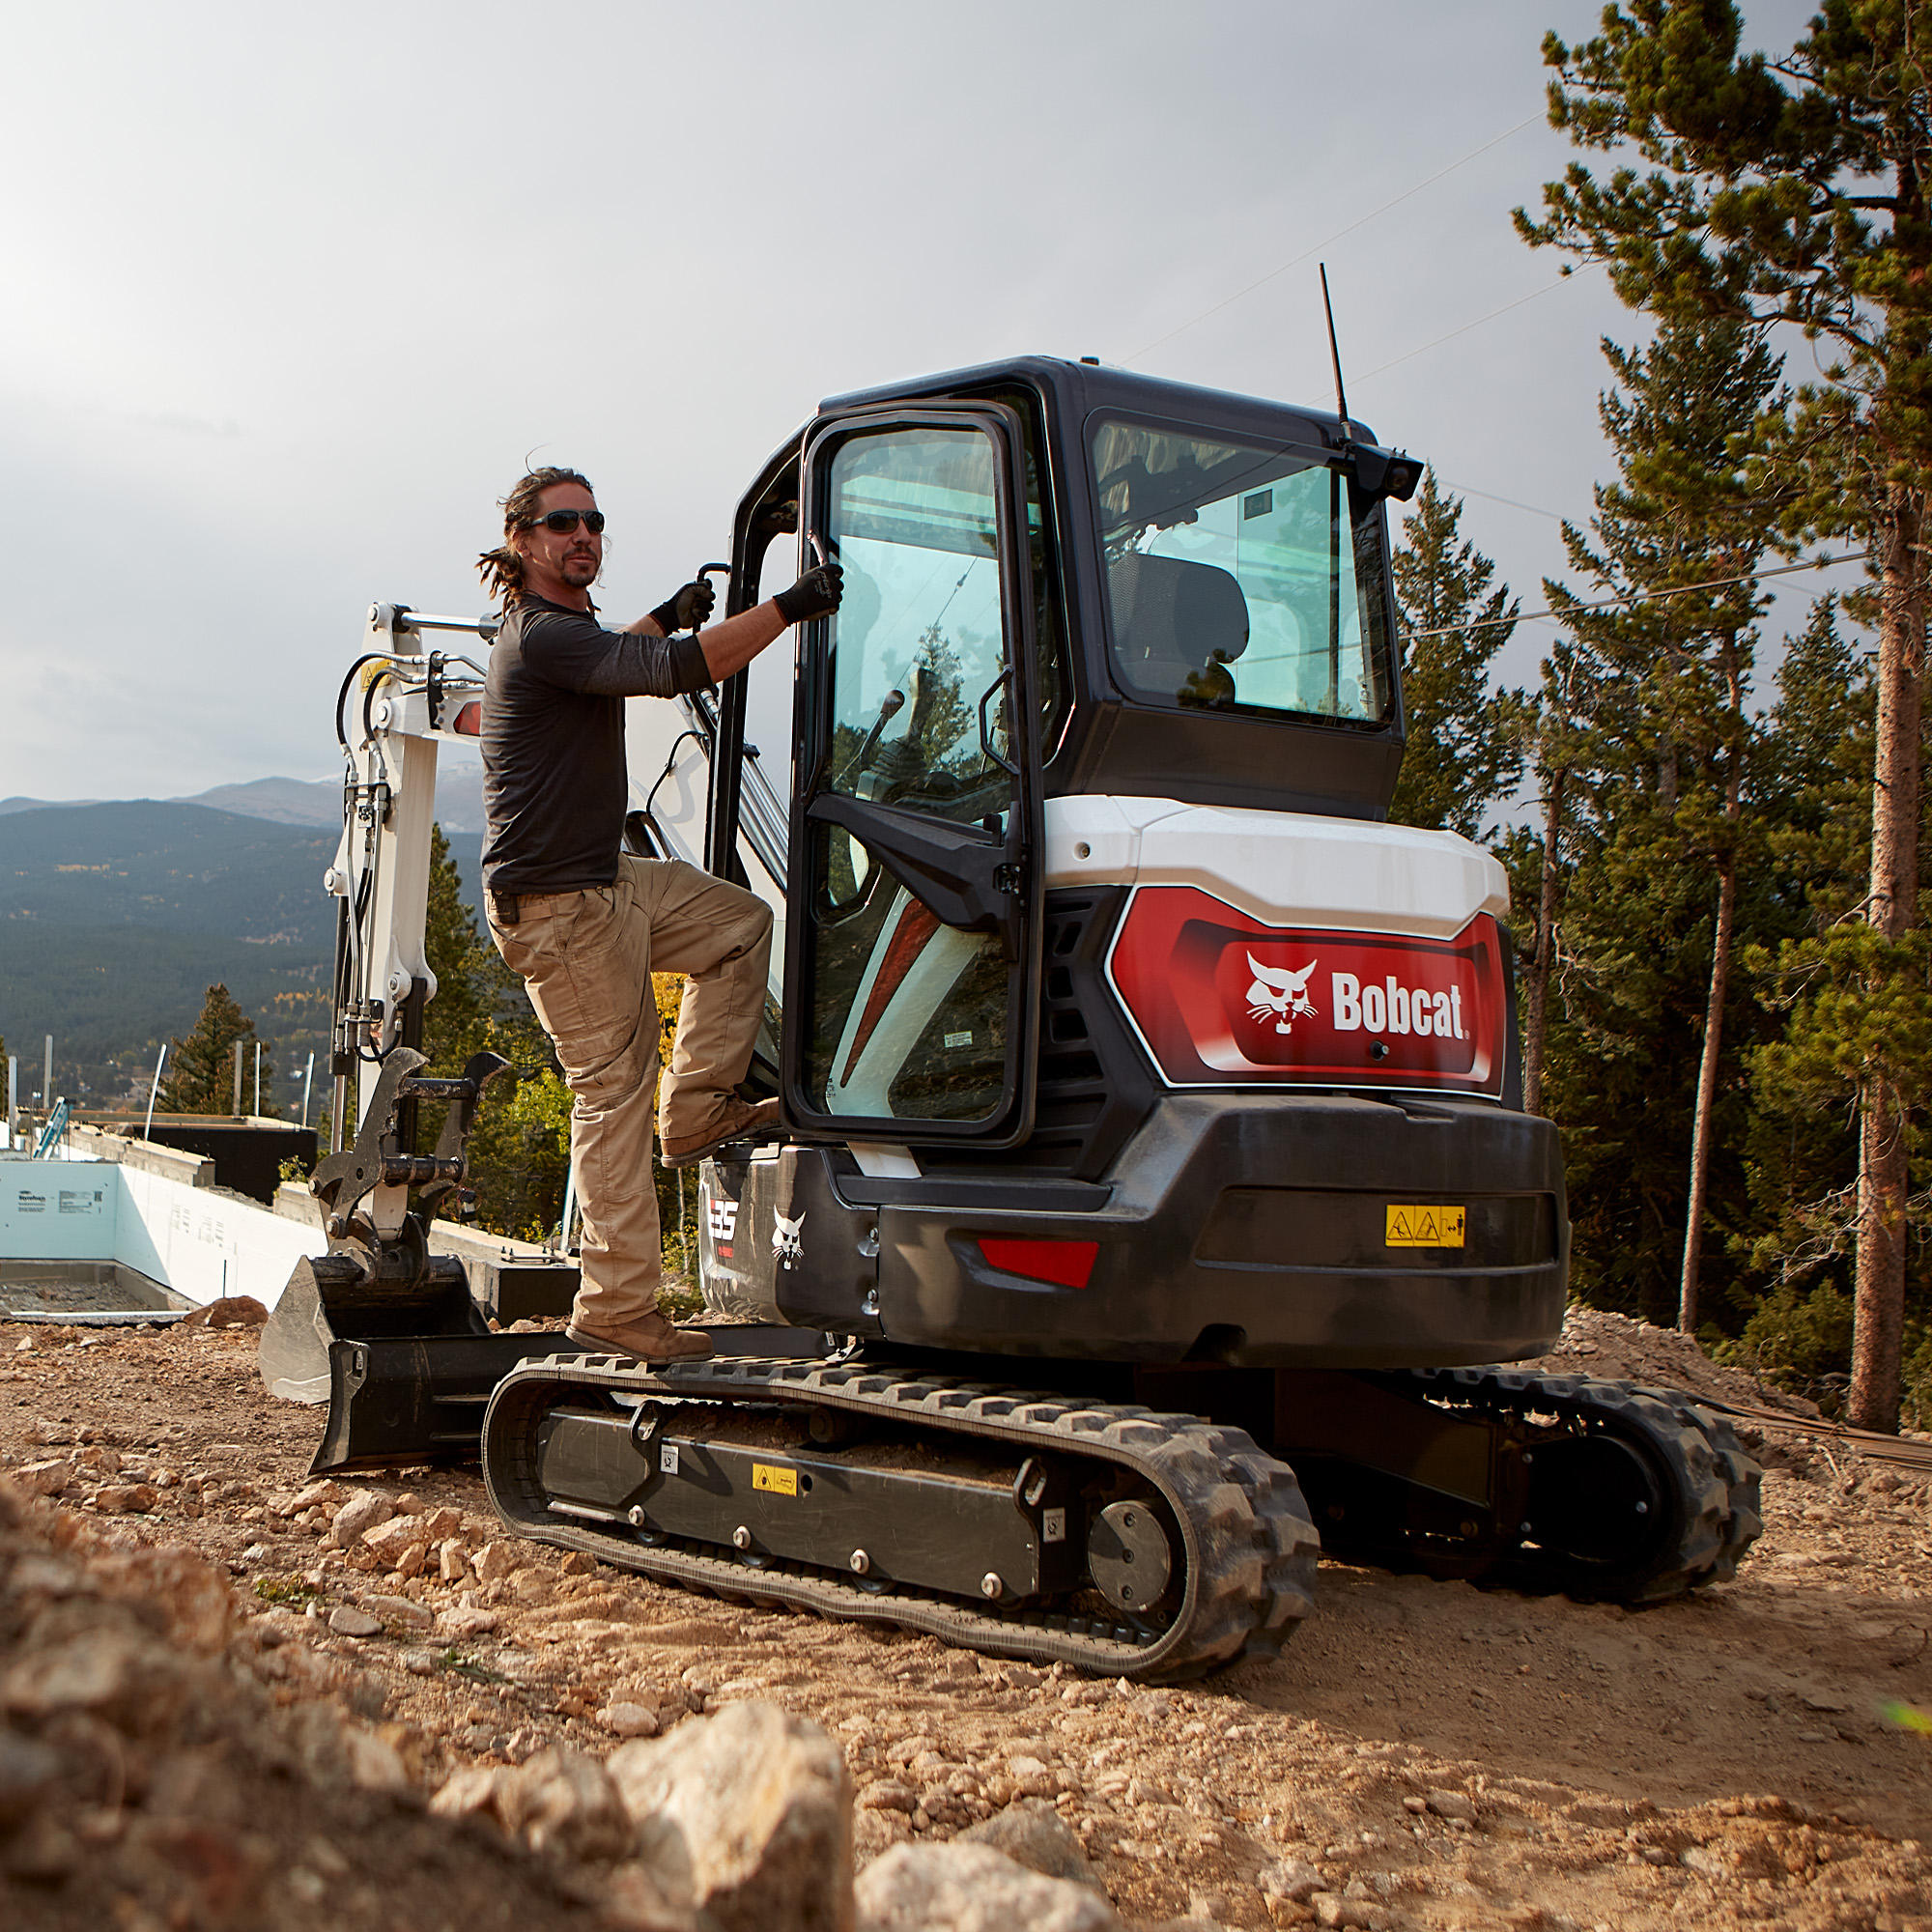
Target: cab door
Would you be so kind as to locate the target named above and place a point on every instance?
(912, 961)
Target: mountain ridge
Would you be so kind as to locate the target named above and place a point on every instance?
(285, 801)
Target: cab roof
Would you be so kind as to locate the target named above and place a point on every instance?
(1076, 388)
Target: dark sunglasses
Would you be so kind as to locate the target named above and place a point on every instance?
(562, 521)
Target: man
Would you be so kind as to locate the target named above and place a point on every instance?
(587, 923)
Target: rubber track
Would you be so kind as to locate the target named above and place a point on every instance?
(1715, 1486)
(1249, 1548)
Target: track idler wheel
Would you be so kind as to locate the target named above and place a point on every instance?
(1129, 1557)
(1596, 1502)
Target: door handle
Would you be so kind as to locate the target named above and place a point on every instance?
(1006, 677)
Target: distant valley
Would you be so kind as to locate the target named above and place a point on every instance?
(116, 916)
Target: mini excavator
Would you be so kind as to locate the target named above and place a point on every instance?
(1154, 1206)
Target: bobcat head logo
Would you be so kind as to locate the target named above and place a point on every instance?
(1280, 996)
(786, 1248)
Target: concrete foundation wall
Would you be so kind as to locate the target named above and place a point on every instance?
(205, 1244)
(156, 1214)
(195, 1242)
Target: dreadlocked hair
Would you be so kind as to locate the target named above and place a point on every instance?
(501, 569)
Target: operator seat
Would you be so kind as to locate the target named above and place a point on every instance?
(1178, 625)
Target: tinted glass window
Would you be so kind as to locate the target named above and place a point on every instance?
(919, 639)
(1240, 576)
(910, 1018)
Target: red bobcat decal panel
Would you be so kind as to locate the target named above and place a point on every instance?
(1220, 997)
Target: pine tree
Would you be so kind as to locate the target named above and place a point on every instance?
(518, 1149)
(457, 1020)
(1664, 679)
(1852, 1001)
(1797, 193)
(201, 1068)
(1557, 744)
(1464, 749)
(1811, 785)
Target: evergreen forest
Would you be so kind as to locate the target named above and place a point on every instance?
(1713, 830)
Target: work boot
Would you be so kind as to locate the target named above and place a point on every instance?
(737, 1120)
(650, 1338)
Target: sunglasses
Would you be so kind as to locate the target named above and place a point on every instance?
(561, 522)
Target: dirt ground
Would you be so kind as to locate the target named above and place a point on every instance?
(1440, 1757)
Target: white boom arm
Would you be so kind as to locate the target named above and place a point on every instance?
(403, 701)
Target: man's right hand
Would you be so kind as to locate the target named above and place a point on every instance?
(815, 594)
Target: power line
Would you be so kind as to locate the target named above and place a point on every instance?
(1533, 296)
(1636, 597)
(1490, 496)
(1307, 253)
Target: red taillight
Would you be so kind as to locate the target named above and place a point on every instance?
(470, 721)
(1064, 1264)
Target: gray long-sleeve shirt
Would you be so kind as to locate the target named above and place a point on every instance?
(555, 787)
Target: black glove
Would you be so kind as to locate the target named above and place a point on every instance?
(815, 594)
(687, 609)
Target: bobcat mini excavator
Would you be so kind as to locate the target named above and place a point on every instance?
(1155, 1200)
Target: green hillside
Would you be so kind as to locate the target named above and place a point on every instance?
(170, 867)
(115, 919)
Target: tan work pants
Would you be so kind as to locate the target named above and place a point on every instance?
(586, 960)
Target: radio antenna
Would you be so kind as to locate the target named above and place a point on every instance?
(1335, 355)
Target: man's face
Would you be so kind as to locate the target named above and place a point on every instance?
(561, 561)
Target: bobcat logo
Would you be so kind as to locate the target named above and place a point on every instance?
(786, 1248)
(1280, 996)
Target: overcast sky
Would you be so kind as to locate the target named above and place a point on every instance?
(293, 293)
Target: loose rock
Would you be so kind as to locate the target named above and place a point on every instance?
(462, 1623)
(749, 1815)
(48, 1478)
(394, 1539)
(400, 1610)
(629, 1721)
(126, 1498)
(359, 1515)
(1034, 1835)
(496, 1560)
(958, 1887)
(229, 1311)
(1290, 1879)
(564, 1801)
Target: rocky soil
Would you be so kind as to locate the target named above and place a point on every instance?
(260, 1700)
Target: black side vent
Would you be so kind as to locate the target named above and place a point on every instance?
(1095, 1083)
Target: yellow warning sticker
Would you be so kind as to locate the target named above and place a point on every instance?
(1413, 1227)
(772, 1477)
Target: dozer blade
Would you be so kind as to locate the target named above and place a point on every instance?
(408, 1366)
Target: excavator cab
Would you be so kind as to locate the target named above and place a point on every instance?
(1050, 581)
